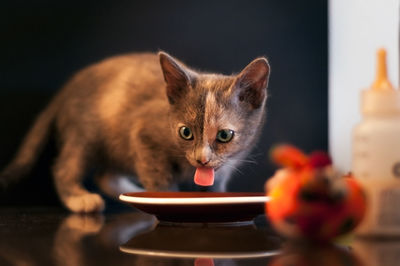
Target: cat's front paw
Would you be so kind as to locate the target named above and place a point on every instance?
(85, 203)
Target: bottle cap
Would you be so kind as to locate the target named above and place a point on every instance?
(381, 97)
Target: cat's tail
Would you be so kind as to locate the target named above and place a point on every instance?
(30, 148)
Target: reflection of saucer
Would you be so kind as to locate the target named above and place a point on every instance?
(204, 242)
(214, 255)
(192, 207)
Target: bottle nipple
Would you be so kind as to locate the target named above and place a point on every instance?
(381, 82)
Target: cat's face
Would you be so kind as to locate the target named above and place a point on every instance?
(215, 117)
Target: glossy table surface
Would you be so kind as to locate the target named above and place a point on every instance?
(52, 236)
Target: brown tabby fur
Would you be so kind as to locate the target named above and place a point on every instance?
(123, 116)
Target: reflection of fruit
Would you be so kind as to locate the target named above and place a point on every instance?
(327, 255)
(308, 200)
(203, 262)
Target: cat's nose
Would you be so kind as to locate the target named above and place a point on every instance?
(203, 155)
(203, 162)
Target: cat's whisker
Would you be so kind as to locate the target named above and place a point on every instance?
(232, 166)
(256, 154)
(247, 161)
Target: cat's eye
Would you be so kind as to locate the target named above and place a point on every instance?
(186, 133)
(225, 135)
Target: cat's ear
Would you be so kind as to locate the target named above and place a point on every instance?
(251, 84)
(176, 76)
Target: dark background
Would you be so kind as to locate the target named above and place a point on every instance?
(44, 42)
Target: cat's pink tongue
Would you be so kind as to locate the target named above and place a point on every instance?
(204, 176)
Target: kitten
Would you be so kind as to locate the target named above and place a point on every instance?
(148, 116)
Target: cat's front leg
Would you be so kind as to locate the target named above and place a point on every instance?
(154, 175)
(68, 172)
(113, 185)
(155, 179)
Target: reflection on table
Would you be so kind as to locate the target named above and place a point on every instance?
(203, 241)
(54, 237)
